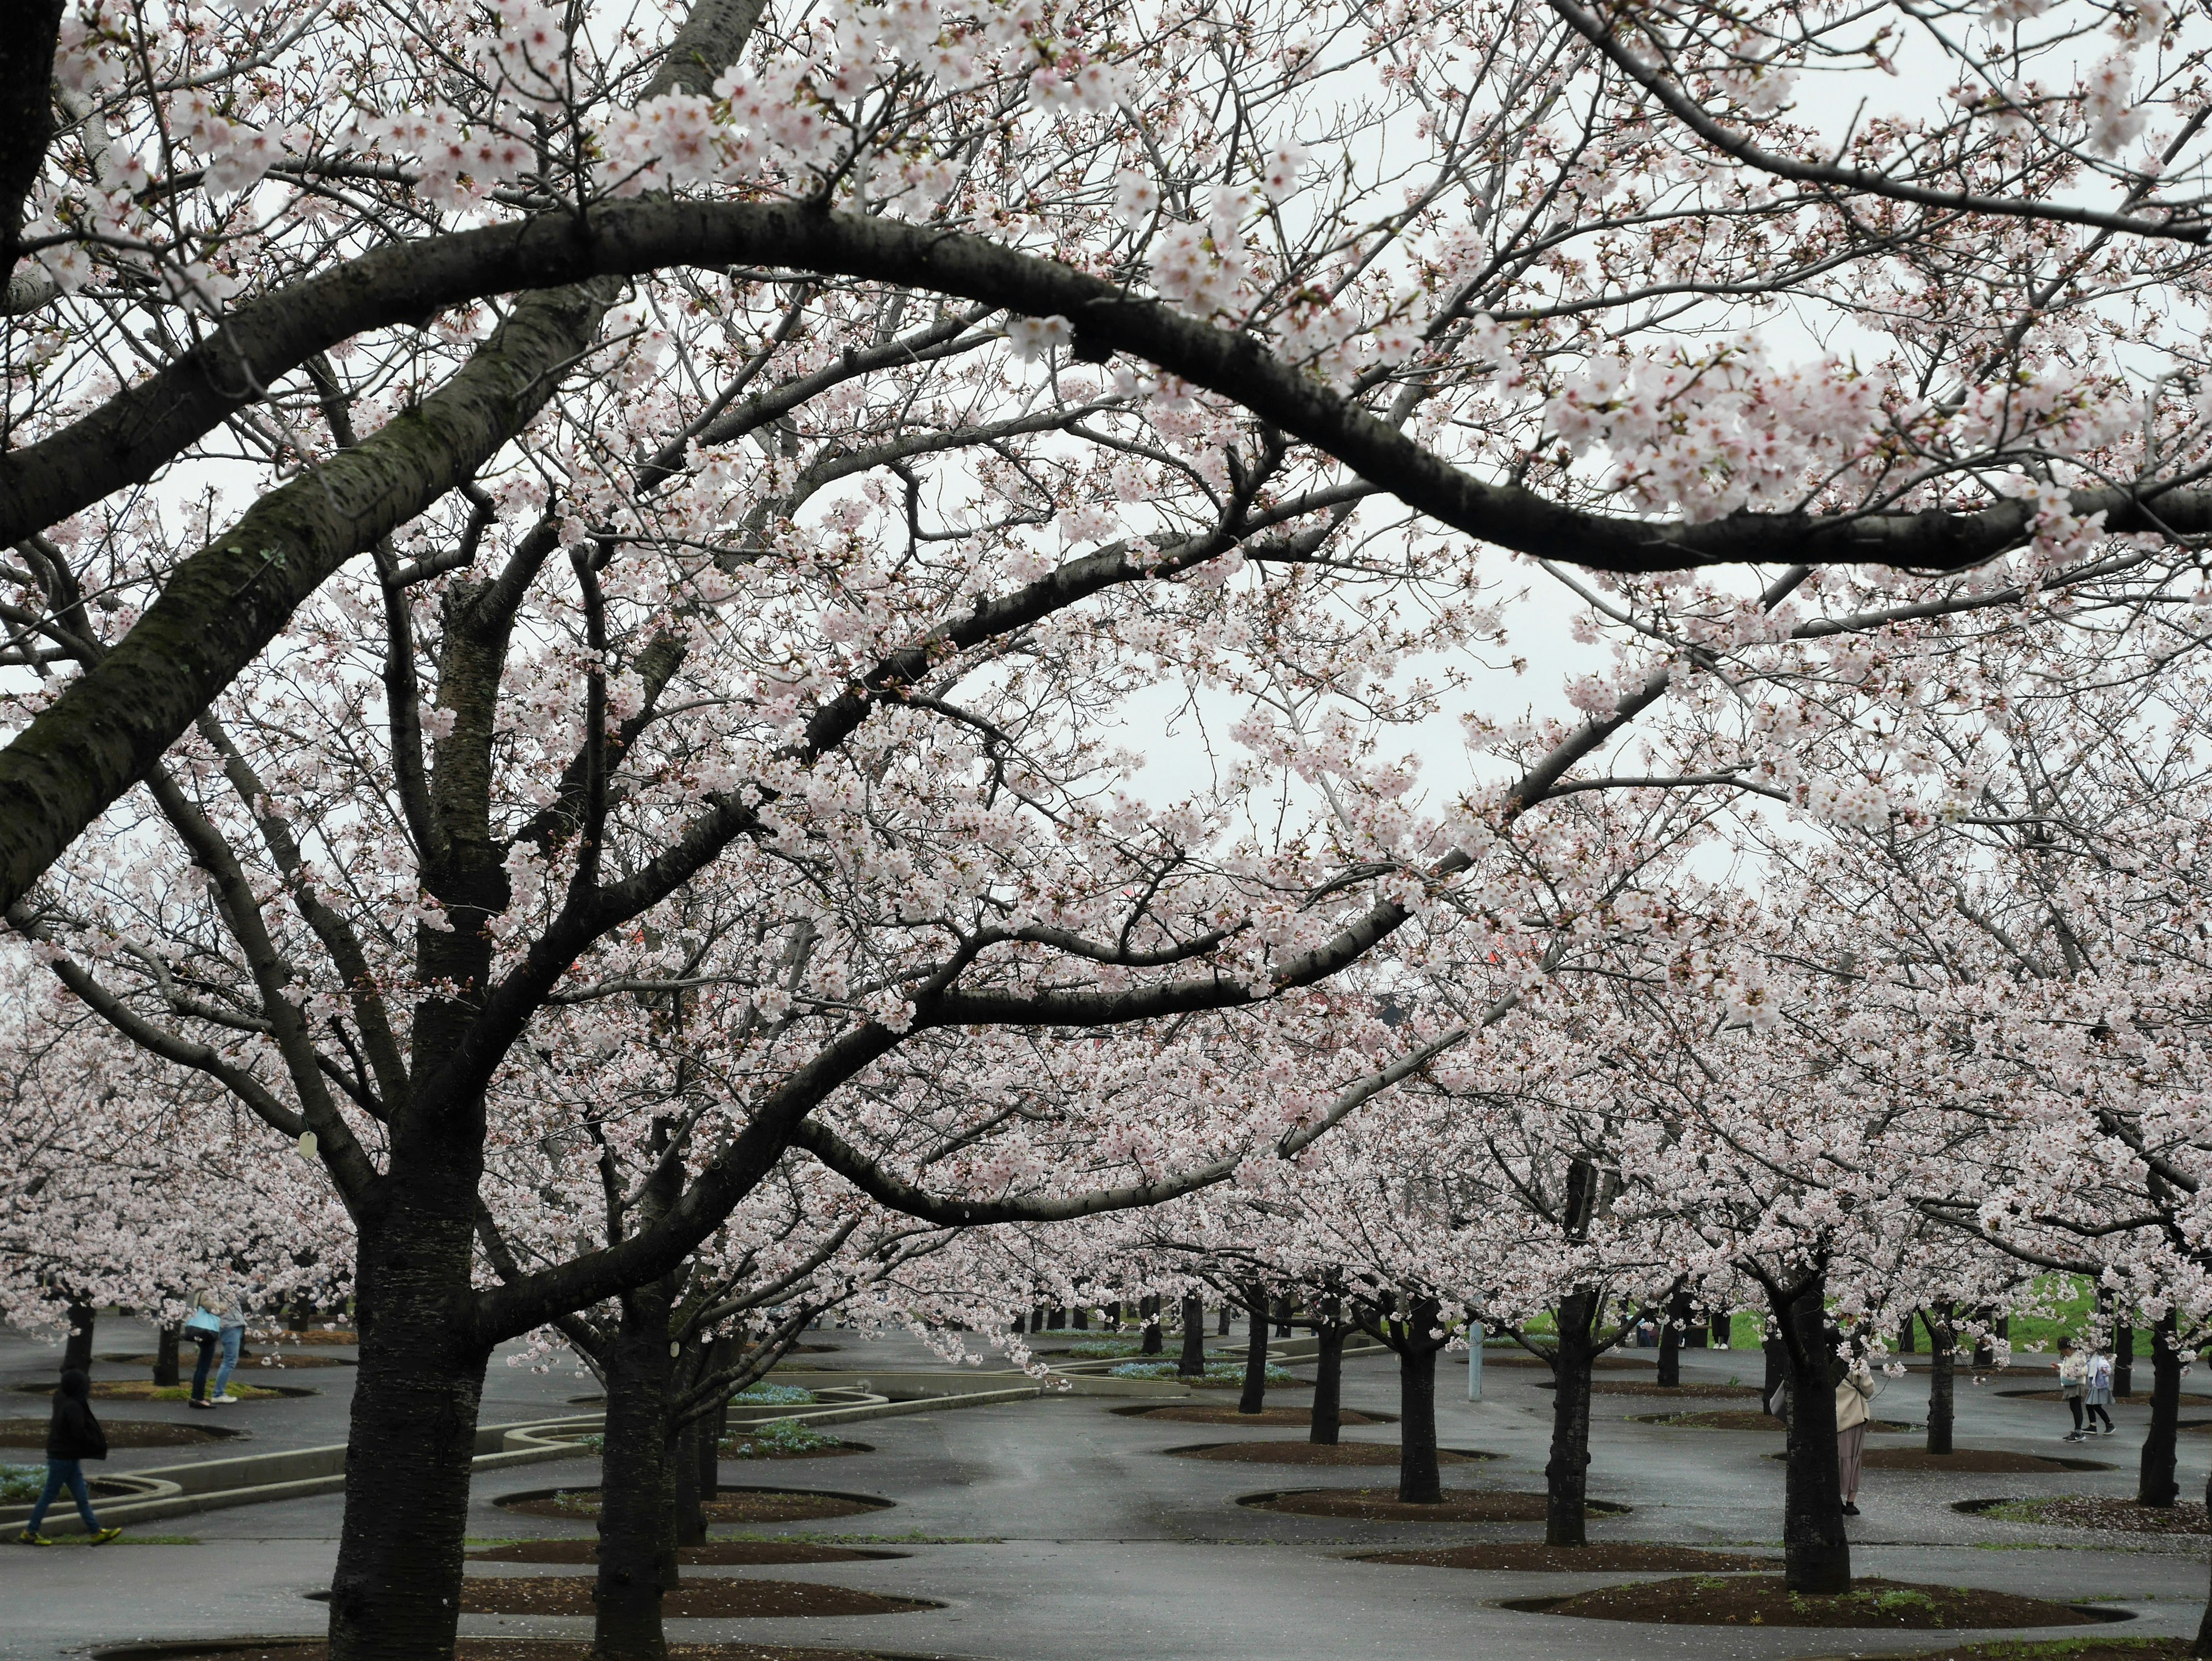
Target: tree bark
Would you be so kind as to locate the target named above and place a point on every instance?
(1908, 1334)
(1328, 1380)
(1816, 1553)
(1566, 1475)
(2123, 1361)
(395, 1595)
(76, 1353)
(1253, 1399)
(1221, 1328)
(1420, 1483)
(690, 1451)
(637, 1546)
(2155, 1483)
(165, 1356)
(1152, 1343)
(2203, 1647)
(1776, 1354)
(1942, 1376)
(1191, 1364)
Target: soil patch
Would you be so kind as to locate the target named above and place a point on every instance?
(139, 1390)
(2141, 1397)
(718, 1597)
(1743, 1420)
(317, 1336)
(1314, 1453)
(470, 1649)
(1383, 1505)
(732, 1504)
(1644, 1387)
(247, 1359)
(1617, 1557)
(1976, 1461)
(1195, 1413)
(715, 1553)
(1603, 1364)
(121, 1433)
(1765, 1600)
(2059, 1649)
(2083, 1511)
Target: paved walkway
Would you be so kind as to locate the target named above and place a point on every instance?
(1057, 1530)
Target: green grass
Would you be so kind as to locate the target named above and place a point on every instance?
(780, 1395)
(1215, 1370)
(21, 1484)
(1107, 1349)
(775, 1437)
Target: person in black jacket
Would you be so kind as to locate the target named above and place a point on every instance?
(73, 1437)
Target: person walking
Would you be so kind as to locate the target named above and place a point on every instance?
(231, 1339)
(2073, 1379)
(204, 1326)
(1853, 1390)
(72, 1437)
(2097, 1392)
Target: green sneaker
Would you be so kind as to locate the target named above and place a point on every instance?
(102, 1536)
(27, 1538)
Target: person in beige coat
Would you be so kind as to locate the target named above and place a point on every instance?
(1853, 1392)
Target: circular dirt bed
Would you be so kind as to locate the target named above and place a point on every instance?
(1196, 1413)
(1745, 1419)
(714, 1598)
(121, 1433)
(734, 1504)
(138, 1389)
(470, 1649)
(763, 1451)
(715, 1553)
(1764, 1600)
(1645, 1387)
(2082, 1511)
(1974, 1462)
(2060, 1649)
(250, 1359)
(1314, 1453)
(1383, 1505)
(1623, 1557)
(317, 1335)
(1603, 1364)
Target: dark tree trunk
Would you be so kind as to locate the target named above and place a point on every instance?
(1080, 1319)
(1816, 1553)
(1908, 1334)
(1021, 1324)
(1566, 1475)
(2203, 1647)
(395, 1595)
(1191, 1364)
(1255, 1396)
(2156, 1484)
(637, 1477)
(1777, 1356)
(1282, 1318)
(1152, 1343)
(1420, 1480)
(76, 1353)
(1942, 1376)
(1329, 1379)
(720, 1360)
(165, 1356)
(1221, 1330)
(1058, 1320)
(690, 1451)
(1670, 1341)
(2124, 1360)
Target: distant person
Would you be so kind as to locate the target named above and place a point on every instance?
(231, 1339)
(73, 1437)
(1853, 1390)
(204, 1326)
(2097, 1393)
(2073, 1379)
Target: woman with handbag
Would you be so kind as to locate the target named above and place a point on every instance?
(204, 1326)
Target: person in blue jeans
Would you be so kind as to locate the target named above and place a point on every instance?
(73, 1437)
(232, 1336)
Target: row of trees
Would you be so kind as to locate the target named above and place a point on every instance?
(716, 504)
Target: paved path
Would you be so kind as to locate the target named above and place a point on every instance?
(1078, 1540)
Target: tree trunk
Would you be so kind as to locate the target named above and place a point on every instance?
(165, 1356)
(1329, 1379)
(1671, 1342)
(1152, 1343)
(395, 1595)
(2156, 1484)
(1777, 1356)
(1566, 1476)
(636, 1477)
(720, 1359)
(1942, 1376)
(1191, 1364)
(1080, 1319)
(1221, 1330)
(2203, 1647)
(76, 1353)
(2123, 1361)
(1908, 1334)
(689, 1451)
(1816, 1553)
(1420, 1480)
(1255, 1396)
(1282, 1318)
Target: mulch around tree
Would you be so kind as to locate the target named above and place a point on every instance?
(724, 1597)
(1742, 1420)
(1645, 1387)
(317, 1335)
(715, 1553)
(835, 1451)
(1314, 1453)
(142, 1389)
(247, 1359)
(1615, 1557)
(474, 1649)
(1765, 1600)
(1383, 1505)
(1603, 1364)
(1974, 1462)
(121, 1433)
(731, 1506)
(1195, 1413)
(2055, 1649)
(2084, 1511)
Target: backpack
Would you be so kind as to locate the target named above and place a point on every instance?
(2100, 1372)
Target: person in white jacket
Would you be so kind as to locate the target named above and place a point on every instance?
(1853, 1392)
(2073, 1380)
